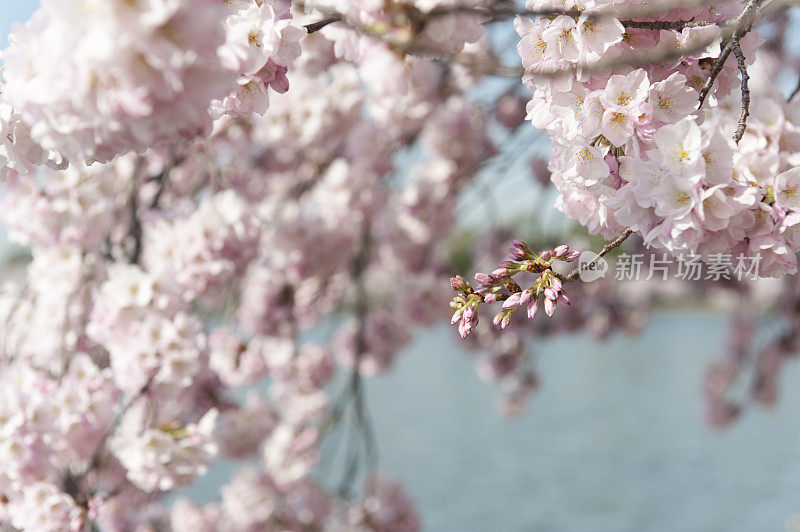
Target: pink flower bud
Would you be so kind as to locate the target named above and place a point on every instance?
(463, 329)
(485, 279)
(549, 306)
(572, 255)
(490, 297)
(498, 318)
(469, 313)
(516, 253)
(547, 255)
(550, 294)
(533, 307)
(458, 283)
(512, 301)
(525, 297)
(561, 250)
(555, 284)
(519, 250)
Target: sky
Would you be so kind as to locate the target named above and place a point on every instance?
(14, 11)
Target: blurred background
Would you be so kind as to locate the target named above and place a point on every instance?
(614, 438)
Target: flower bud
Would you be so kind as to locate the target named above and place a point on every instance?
(533, 307)
(500, 273)
(485, 279)
(512, 301)
(549, 306)
(458, 283)
(525, 297)
(498, 319)
(516, 253)
(463, 329)
(469, 313)
(519, 250)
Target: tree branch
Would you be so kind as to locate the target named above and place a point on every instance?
(608, 247)
(715, 70)
(316, 26)
(740, 61)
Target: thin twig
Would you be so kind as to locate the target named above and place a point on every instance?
(665, 24)
(74, 482)
(608, 247)
(794, 92)
(741, 62)
(715, 70)
(162, 178)
(136, 225)
(363, 423)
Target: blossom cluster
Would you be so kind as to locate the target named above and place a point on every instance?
(632, 147)
(261, 42)
(93, 80)
(547, 289)
(509, 357)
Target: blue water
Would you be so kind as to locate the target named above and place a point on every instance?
(614, 440)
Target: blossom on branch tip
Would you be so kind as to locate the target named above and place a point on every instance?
(499, 286)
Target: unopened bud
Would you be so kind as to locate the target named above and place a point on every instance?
(459, 284)
(549, 306)
(513, 300)
(485, 279)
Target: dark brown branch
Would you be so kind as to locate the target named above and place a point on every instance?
(316, 26)
(665, 24)
(736, 28)
(162, 178)
(618, 12)
(135, 232)
(715, 70)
